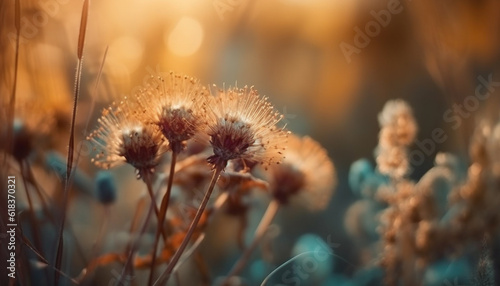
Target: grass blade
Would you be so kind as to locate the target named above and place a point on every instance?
(81, 43)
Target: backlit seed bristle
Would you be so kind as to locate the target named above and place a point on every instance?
(174, 105)
(306, 173)
(123, 136)
(242, 125)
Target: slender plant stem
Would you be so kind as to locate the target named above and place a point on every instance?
(34, 224)
(217, 205)
(136, 219)
(41, 193)
(163, 212)
(148, 180)
(92, 104)
(166, 274)
(102, 231)
(128, 267)
(264, 224)
(67, 183)
(71, 145)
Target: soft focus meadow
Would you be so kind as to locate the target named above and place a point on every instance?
(250, 142)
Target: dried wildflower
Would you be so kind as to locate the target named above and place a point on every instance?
(397, 123)
(124, 137)
(174, 104)
(393, 161)
(242, 125)
(398, 130)
(306, 171)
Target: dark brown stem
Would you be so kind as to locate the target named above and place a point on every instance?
(148, 180)
(128, 267)
(264, 224)
(166, 274)
(163, 212)
(71, 145)
(32, 215)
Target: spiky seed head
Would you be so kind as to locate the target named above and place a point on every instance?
(124, 137)
(174, 104)
(306, 175)
(242, 126)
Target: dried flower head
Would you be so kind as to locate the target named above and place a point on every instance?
(398, 124)
(174, 104)
(306, 171)
(393, 161)
(123, 136)
(242, 125)
(398, 130)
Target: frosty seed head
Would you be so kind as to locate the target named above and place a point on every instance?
(174, 104)
(306, 173)
(242, 125)
(123, 136)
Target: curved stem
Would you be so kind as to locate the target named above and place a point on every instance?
(163, 212)
(166, 274)
(264, 224)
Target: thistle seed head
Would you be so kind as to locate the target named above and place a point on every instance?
(242, 125)
(174, 104)
(124, 137)
(306, 174)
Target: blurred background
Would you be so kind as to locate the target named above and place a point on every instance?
(327, 65)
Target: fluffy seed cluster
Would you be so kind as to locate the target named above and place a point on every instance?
(441, 216)
(123, 136)
(174, 104)
(398, 130)
(242, 125)
(306, 172)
